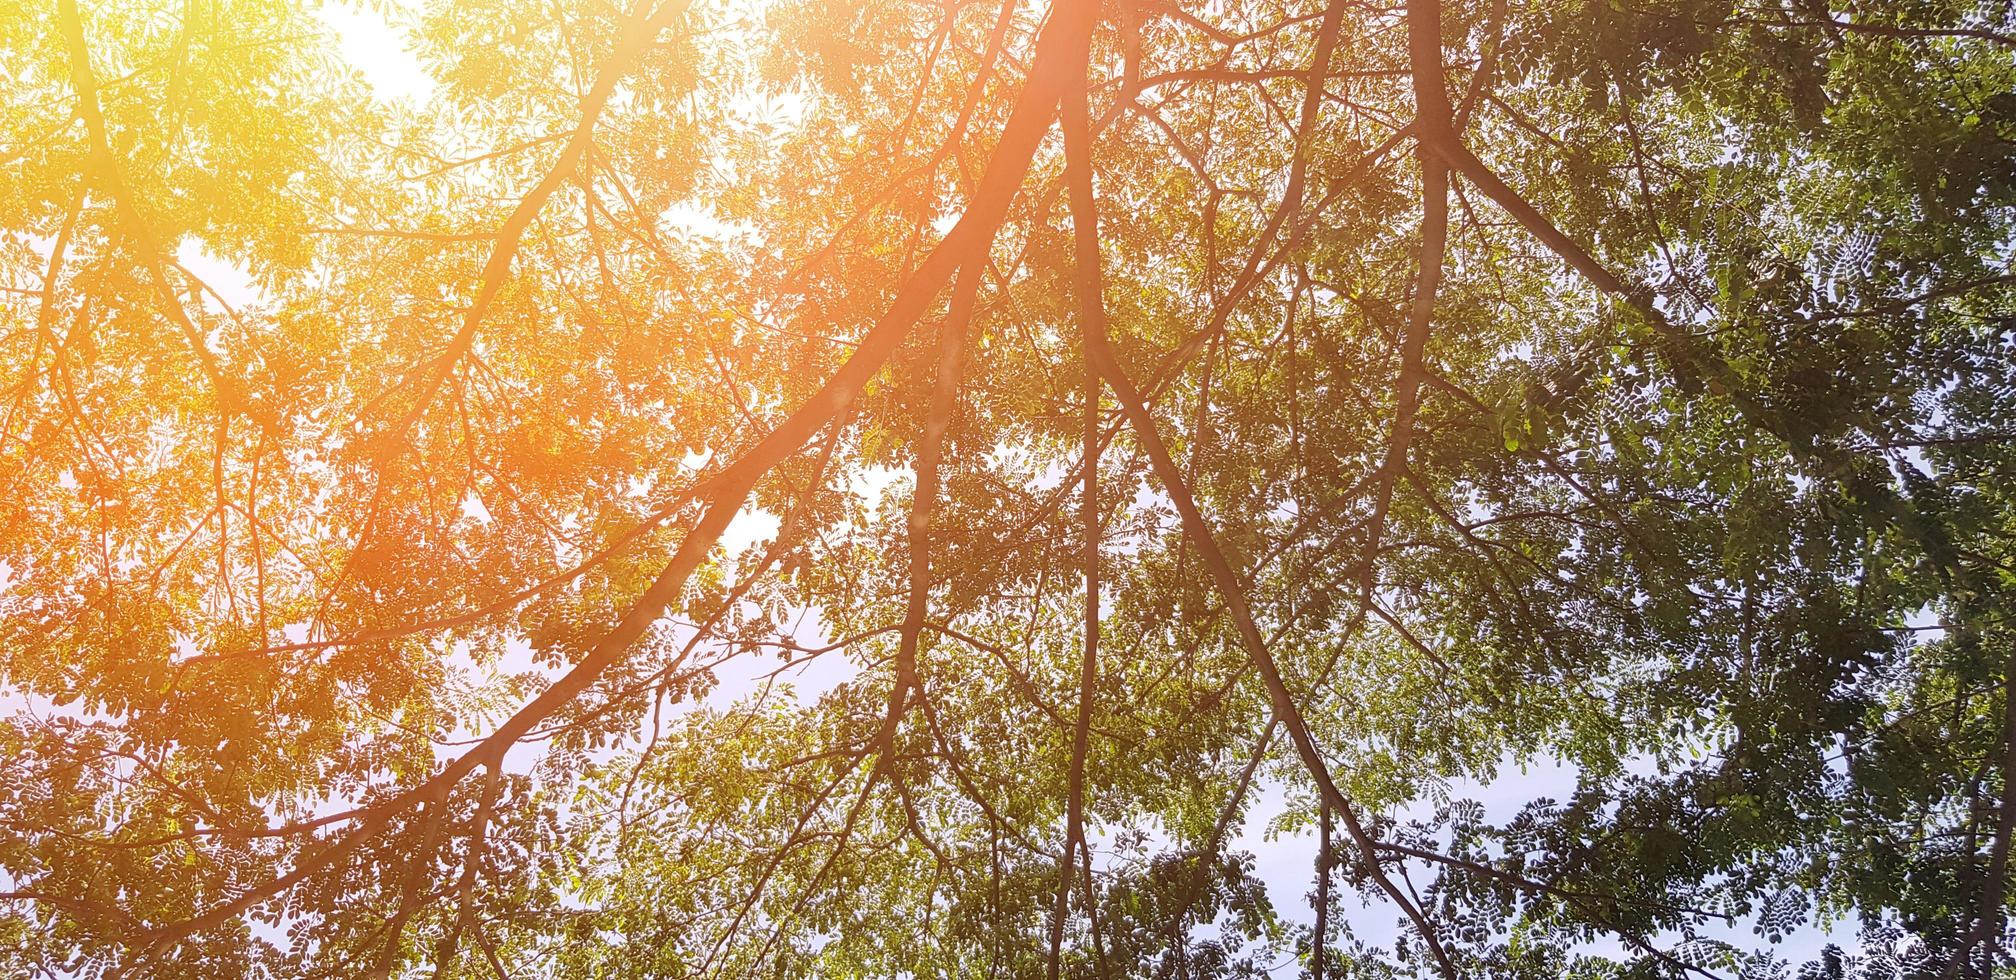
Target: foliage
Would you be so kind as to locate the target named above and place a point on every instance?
(635, 516)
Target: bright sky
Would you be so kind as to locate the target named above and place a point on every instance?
(377, 49)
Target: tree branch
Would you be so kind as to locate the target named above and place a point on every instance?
(1077, 139)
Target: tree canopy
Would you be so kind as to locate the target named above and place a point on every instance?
(878, 488)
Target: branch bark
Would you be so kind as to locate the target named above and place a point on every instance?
(1084, 212)
(924, 500)
(1989, 914)
(1091, 318)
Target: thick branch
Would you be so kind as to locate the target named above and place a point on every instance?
(1077, 139)
(924, 500)
(1091, 317)
(1407, 388)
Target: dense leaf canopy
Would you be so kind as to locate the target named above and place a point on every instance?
(882, 488)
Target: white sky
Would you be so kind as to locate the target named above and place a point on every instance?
(377, 49)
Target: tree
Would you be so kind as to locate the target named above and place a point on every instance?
(871, 488)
